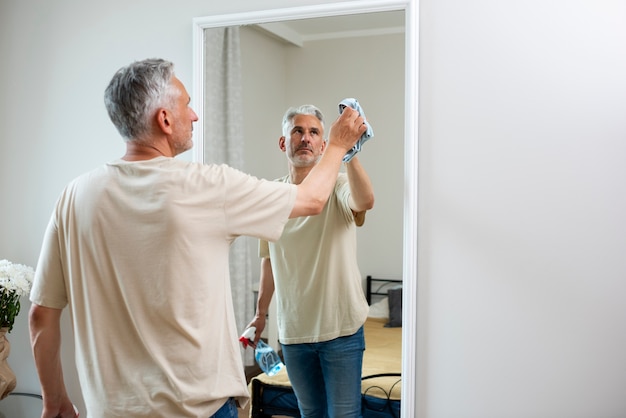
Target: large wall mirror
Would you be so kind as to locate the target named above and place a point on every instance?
(320, 55)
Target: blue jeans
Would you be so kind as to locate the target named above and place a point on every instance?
(326, 376)
(228, 410)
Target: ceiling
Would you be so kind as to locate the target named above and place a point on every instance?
(300, 31)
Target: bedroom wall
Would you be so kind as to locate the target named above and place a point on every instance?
(522, 143)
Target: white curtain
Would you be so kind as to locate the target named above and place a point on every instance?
(223, 143)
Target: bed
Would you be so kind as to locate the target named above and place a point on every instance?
(382, 363)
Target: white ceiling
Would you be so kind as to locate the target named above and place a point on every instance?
(298, 32)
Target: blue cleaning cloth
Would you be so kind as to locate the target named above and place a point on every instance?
(369, 133)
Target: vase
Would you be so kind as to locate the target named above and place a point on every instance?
(7, 377)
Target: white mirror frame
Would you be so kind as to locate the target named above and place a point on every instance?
(410, 7)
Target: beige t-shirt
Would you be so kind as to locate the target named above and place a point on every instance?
(317, 280)
(139, 251)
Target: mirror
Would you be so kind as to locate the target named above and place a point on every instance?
(403, 170)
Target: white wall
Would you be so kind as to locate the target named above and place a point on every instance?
(522, 232)
(522, 143)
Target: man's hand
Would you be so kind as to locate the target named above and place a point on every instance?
(347, 129)
(259, 323)
(65, 410)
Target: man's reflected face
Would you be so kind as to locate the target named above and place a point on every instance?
(305, 143)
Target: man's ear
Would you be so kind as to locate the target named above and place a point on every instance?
(281, 144)
(164, 119)
(323, 146)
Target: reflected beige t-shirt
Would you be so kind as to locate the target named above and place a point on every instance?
(317, 280)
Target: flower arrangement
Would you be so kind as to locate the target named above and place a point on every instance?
(15, 281)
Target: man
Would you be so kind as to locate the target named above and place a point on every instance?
(138, 250)
(312, 268)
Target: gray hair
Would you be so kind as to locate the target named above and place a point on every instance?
(292, 112)
(136, 92)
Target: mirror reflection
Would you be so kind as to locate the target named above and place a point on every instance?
(268, 68)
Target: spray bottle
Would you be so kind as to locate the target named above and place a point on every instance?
(265, 356)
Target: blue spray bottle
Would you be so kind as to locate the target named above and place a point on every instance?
(265, 356)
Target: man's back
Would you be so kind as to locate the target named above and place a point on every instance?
(146, 277)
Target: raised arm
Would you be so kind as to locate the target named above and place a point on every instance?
(361, 191)
(315, 189)
(45, 338)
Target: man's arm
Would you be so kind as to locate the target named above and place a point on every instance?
(45, 339)
(314, 191)
(266, 290)
(361, 190)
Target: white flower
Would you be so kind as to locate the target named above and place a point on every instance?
(15, 281)
(16, 277)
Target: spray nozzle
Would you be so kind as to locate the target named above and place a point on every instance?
(247, 338)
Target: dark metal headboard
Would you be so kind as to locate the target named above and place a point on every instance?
(379, 287)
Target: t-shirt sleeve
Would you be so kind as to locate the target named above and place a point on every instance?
(49, 285)
(257, 207)
(264, 249)
(342, 190)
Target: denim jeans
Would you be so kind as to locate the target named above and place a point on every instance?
(228, 410)
(326, 376)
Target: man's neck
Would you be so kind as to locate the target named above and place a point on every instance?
(298, 174)
(139, 151)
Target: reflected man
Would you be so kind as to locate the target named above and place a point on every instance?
(312, 269)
